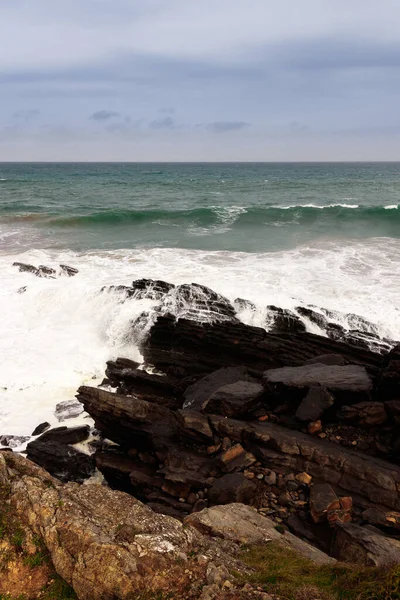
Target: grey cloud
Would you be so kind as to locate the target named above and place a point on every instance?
(224, 126)
(168, 111)
(104, 115)
(27, 114)
(165, 123)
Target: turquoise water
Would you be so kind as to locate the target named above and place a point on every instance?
(234, 207)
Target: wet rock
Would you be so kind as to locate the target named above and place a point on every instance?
(69, 271)
(393, 409)
(232, 488)
(41, 428)
(151, 289)
(194, 425)
(68, 409)
(235, 399)
(13, 441)
(315, 317)
(242, 304)
(24, 268)
(22, 289)
(199, 302)
(198, 394)
(44, 271)
(314, 427)
(65, 435)
(60, 460)
(365, 546)
(314, 404)
(389, 381)
(364, 414)
(285, 321)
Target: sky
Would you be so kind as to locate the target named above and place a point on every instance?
(216, 80)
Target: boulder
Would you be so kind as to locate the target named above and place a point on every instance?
(195, 426)
(13, 441)
(322, 501)
(61, 460)
(68, 409)
(198, 394)
(234, 399)
(151, 289)
(244, 525)
(232, 488)
(65, 435)
(24, 268)
(69, 271)
(348, 384)
(41, 428)
(364, 414)
(365, 546)
(199, 302)
(242, 304)
(314, 404)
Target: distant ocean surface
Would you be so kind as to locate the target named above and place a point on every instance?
(326, 235)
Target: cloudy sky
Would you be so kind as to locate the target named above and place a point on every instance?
(210, 80)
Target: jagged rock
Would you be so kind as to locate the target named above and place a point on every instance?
(199, 302)
(69, 271)
(61, 460)
(285, 321)
(314, 404)
(243, 524)
(198, 394)
(236, 459)
(367, 479)
(327, 359)
(24, 268)
(364, 414)
(124, 374)
(41, 428)
(348, 384)
(196, 348)
(315, 317)
(194, 425)
(44, 271)
(242, 304)
(128, 420)
(13, 441)
(151, 289)
(68, 409)
(235, 399)
(22, 289)
(232, 488)
(389, 382)
(65, 435)
(365, 546)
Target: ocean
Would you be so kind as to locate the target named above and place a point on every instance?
(326, 235)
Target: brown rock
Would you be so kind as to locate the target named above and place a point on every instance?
(322, 500)
(314, 427)
(365, 546)
(232, 488)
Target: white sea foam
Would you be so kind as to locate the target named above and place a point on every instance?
(60, 332)
(317, 206)
(392, 207)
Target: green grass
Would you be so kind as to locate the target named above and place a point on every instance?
(281, 571)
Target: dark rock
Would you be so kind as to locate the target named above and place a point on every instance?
(285, 321)
(315, 403)
(242, 304)
(365, 546)
(22, 289)
(60, 460)
(235, 399)
(194, 425)
(65, 435)
(41, 428)
(151, 289)
(313, 316)
(127, 420)
(167, 510)
(364, 414)
(389, 381)
(195, 348)
(187, 467)
(197, 395)
(200, 303)
(232, 488)
(327, 359)
(68, 409)
(13, 441)
(322, 501)
(116, 468)
(24, 268)
(44, 271)
(69, 271)
(393, 409)
(348, 384)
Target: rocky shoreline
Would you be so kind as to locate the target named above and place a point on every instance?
(302, 428)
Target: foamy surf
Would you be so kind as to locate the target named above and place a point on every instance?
(60, 332)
